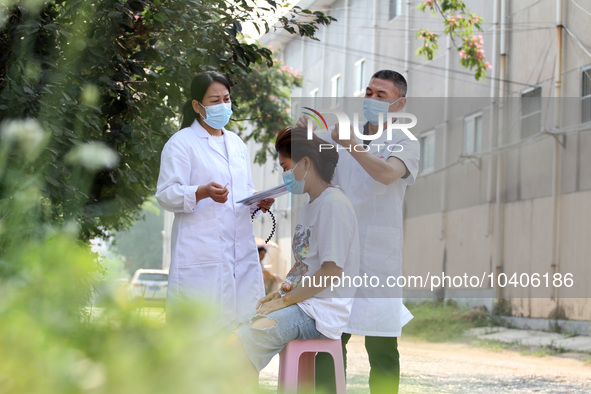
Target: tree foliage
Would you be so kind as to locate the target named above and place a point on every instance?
(114, 71)
(459, 22)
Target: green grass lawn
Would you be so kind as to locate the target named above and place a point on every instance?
(442, 322)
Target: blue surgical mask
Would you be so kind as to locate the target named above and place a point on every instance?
(293, 185)
(372, 109)
(218, 115)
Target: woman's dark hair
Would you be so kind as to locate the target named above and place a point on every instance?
(199, 86)
(293, 142)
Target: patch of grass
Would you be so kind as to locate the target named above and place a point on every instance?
(442, 322)
(526, 350)
(542, 351)
(495, 345)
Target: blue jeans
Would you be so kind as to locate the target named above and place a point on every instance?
(262, 344)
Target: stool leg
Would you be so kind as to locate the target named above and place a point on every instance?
(288, 371)
(339, 371)
(306, 371)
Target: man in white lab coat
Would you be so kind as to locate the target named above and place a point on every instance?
(375, 181)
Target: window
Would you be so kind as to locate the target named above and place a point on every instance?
(295, 110)
(336, 89)
(428, 151)
(314, 95)
(472, 134)
(395, 8)
(531, 112)
(360, 77)
(586, 95)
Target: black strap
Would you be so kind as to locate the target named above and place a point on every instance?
(272, 217)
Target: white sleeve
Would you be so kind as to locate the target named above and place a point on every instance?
(174, 191)
(335, 232)
(410, 151)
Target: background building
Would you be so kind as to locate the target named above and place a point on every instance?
(505, 181)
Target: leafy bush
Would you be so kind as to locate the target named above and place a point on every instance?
(52, 340)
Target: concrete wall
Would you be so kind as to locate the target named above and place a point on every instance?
(450, 220)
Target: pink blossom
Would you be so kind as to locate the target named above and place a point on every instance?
(487, 65)
(462, 53)
(288, 110)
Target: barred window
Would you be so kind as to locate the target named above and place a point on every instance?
(473, 134)
(395, 8)
(360, 77)
(531, 112)
(586, 95)
(428, 151)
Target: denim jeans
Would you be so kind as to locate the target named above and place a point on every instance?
(262, 344)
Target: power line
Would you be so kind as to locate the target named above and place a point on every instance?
(577, 41)
(366, 53)
(581, 8)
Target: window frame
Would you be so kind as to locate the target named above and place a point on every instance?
(476, 148)
(537, 113)
(314, 94)
(360, 77)
(422, 138)
(585, 99)
(395, 5)
(336, 89)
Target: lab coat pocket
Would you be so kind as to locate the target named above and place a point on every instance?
(198, 238)
(201, 281)
(382, 250)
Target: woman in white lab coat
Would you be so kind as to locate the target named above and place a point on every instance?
(204, 171)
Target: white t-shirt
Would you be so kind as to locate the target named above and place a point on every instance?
(327, 231)
(220, 144)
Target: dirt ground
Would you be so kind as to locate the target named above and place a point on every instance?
(458, 368)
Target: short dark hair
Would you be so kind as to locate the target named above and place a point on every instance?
(293, 142)
(199, 86)
(396, 78)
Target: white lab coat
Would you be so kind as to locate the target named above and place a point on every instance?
(378, 311)
(213, 252)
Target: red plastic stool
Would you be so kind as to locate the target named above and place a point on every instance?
(297, 361)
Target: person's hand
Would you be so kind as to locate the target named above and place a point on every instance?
(265, 204)
(267, 298)
(303, 122)
(345, 143)
(217, 192)
(272, 306)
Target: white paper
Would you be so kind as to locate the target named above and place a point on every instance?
(273, 192)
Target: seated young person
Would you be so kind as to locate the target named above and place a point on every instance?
(325, 246)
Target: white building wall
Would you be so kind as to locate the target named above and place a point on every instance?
(450, 214)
